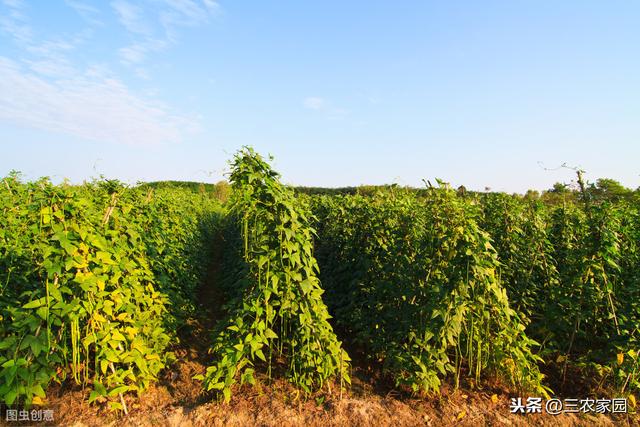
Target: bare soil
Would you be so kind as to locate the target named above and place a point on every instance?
(178, 400)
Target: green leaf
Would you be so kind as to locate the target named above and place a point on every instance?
(118, 390)
(35, 303)
(260, 355)
(38, 391)
(10, 397)
(115, 406)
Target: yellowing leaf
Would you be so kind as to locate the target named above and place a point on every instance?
(461, 415)
(494, 398)
(632, 400)
(137, 345)
(620, 357)
(116, 335)
(37, 400)
(131, 332)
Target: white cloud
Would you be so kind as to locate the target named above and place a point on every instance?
(142, 73)
(13, 3)
(50, 57)
(133, 54)
(46, 57)
(86, 11)
(51, 67)
(212, 6)
(16, 29)
(322, 105)
(131, 17)
(155, 29)
(81, 7)
(90, 105)
(51, 46)
(189, 9)
(14, 21)
(137, 52)
(184, 13)
(314, 103)
(46, 88)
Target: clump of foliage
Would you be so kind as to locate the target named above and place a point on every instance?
(78, 296)
(219, 191)
(178, 229)
(84, 277)
(276, 312)
(414, 281)
(520, 235)
(571, 266)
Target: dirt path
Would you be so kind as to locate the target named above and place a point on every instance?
(210, 297)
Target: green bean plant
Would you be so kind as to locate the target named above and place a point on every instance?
(78, 297)
(414, 281)
(178, 228)
(86, 273)
(519, 230)
(572, 269)
(276, 312)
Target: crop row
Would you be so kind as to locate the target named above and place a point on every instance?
(94, 280)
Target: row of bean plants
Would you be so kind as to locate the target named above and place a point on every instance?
(84, 276)
(179, 227)
(276, 315)
(574, 270)
(413, 280)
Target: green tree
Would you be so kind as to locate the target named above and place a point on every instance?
(609, 189)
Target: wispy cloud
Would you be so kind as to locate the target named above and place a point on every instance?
(53, 67)
(47, 88)
(186, 13)
(13, 3)
(156, 28)
(50, 57)
(91, 106)
(14, 22)
(131, 17)
(137, 52)
(44, 56)
(314, 103)
(212, 6)
(88, 12)
(319, 104)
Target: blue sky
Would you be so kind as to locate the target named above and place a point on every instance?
(341, 93)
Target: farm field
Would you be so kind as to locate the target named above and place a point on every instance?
(262, 304)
